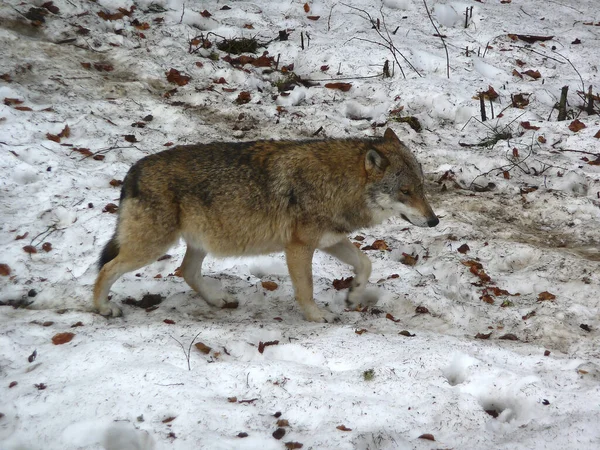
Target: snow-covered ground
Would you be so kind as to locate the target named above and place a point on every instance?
(446, 352)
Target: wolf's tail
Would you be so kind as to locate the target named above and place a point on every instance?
(110, 252)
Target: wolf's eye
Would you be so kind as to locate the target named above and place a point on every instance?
(405, 192)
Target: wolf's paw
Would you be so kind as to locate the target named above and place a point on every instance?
(110, 310)
(313, 313)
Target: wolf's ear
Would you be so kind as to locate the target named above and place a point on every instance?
(375, 161)
(389, 135)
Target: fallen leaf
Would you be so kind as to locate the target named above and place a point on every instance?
(463, 249)
(62, 338)
(230, 305)
(174, 76)
(269, 285)
(40, 386)
(361, 331)
(487, 299)
(427, 436)
(31, 358)
(110, 208)
(516, 73)
(541, 139)
(22, 236)
(483, 335)
(293, 445)
(242, 435)
(392, 318)
(283, 423)
(597, 135)
(169, 322)
(585, 327)
(313, 17)
(576, 126)
(509, 337)
(409, 260)
(543, 296)
(530, 38)
(421, 310)
(243, 97)
(344, 283)
(130, 138)
(324, 68)
(205, 13)
(535, 74)
(528, 126)
(306, 8)
(168, 419)
(520, 100)
(262, 345)
(4, 270)
(407, 333)
(492, 412)
(279, 433)
(344, 87)
(53, 137)
(202, 347)
(343, 428)
(30, 249)
(490, 94)
(103, 67)
(47, 246)
(12, 101)
(232, 399)
(12, 384)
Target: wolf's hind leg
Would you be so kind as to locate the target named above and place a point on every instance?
(129, 258)
(191, 269)
(347, 252)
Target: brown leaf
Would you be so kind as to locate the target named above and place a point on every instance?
(509, 337)
(324, 68)
(53, 137)
(306, 8)
(262, 345)
(361, 331)
(168, 419)
(506, 174)
(293, 445)
(232, 399)
(490, 94)
(12, 101)
(313, 17)
(520, 100)
(98, 157)
(520, 63)
(576, 126)
(283, 423)
(344, 87)
(343, 428)
(541, 139)
(65, 133)
(487, 299)
(22, 236)
(62, 338)
(279, 433)
(243, 97)
(229, 305)
(31, 358)
(463, 249)
(528, 126)
(535, 74)
(83, 151)
(169, 322)
(103, 67)
(427, 436)
(174, 76)
(483, 335)
(248, 26)
(23, 108)
(47, 246)
(205, 13)
(409, 260)
(392, 318)
(202, 347)
(516, 73)
(4, 270)
(110, 208)
(421, 310)
(130, 138)
(29, 249)
(544, 296)
(407, 333)
(242, 435)
(269, 285)
(531, 39)
(344, 283)
(472, 263)
(12, 384)
(116, 16)
(77, 324)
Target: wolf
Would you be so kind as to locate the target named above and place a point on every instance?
(253, 198)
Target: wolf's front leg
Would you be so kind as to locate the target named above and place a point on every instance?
(299, 261)
(347, 252)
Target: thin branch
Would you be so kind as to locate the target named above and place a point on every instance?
(441, 37)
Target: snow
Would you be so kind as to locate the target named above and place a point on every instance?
(531, 221)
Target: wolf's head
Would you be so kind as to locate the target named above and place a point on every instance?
(396, 183)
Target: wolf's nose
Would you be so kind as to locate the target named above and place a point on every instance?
(433, 221)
